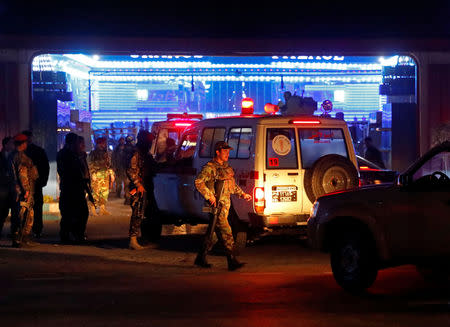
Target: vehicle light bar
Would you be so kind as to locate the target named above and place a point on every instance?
(305, 121)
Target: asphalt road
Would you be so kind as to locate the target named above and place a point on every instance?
(283, 284)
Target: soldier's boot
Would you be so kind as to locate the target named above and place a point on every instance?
(134, 245)
(92, 210)
(200, 261)
(233, 263)
(28, 242)
(103, 211)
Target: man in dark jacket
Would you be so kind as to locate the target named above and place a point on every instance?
(372, 153)
(72, 200)
(40, 160)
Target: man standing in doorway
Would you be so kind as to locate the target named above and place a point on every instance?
(40, 160)
(102, 175)
(219, 172)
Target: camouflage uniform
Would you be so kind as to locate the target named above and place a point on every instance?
(101, 173)
(140, 172)
(25, 175)
(204, 183)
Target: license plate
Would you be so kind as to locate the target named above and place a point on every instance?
(284, 193)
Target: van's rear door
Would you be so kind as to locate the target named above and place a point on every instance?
(283, 191)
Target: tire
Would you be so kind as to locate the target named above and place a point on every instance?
(354, 260)
(151, 229)
(331, 173)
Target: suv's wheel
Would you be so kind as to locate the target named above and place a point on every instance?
(151, 229)
(330, 173)
(354, 260)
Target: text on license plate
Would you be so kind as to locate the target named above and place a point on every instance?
(284, 193)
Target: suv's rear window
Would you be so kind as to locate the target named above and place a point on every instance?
(240, 139)
(210, 137)
(316, 143)
(281, 151)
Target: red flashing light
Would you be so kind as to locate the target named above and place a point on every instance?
(247, 106)
(271, 108)
(305, 122)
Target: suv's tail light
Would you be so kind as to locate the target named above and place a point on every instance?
(259, 201)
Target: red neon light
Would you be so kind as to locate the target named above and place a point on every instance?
(183, 124)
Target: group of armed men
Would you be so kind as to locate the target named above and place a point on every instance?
(85, 182)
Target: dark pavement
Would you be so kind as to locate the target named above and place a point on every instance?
(284, 284)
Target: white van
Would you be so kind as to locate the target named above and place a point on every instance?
(285, 162)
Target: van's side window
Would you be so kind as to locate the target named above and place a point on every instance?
(316, 143)
(281, 150)
(240, 139)
(187, 147)
(210, 137)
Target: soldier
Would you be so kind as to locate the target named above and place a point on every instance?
(25, 175)
(40, 160)
(102, 176)
(214, 172)
(140, 173)
(72, 200)
(120, 164)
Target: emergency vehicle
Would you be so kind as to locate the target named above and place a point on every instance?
(285, 162)
(171, 129)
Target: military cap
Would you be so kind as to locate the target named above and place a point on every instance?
(222, 145)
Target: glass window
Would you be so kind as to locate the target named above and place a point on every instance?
(440, 162)
(209, 139)
(187, 147)
(240, 139)
(316, 143)
(281, 151)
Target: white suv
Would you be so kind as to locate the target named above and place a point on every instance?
(285, 162)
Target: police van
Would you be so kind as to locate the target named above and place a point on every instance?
(285, 162)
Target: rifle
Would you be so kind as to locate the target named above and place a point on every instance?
(141, 203)
(218, 188)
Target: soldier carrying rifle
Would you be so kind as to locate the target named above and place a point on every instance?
(140, 172)
(25, 175)
(216, 183)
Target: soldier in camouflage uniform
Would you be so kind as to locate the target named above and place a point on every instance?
(216, 170)
(25, 176)
(102, 175)
(140, 172)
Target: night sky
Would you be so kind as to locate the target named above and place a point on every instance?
(314, 19)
